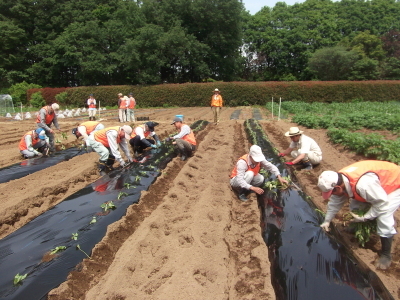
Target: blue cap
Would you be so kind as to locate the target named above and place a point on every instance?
(41, 133)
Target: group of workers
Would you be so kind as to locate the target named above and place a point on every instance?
(126, 105)
(371, 186)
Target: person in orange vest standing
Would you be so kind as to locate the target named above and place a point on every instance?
(91, 102)
(370, 185)
(85, 129)
(106, 141)
(245, 176)
(121, 108)
(47, 116)
(139, 138)
(184, 140)
(216, 105)
(130, 116)
(33, 143)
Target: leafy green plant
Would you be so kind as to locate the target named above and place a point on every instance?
(362, 230)
(94, 220)
(57, 249)
(121, 194)
(37, 100)
(61, 97)
(79, 248)
(18, 278)
(127, 185)
(137, 178)
(142, 173)
(108, 205)
(64, 135)
(74, 236)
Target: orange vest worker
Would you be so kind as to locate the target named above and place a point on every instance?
(49, 117)
(101, 135)
(22, 145)
(255, 170)
(90, 126)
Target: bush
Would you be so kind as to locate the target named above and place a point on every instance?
(37, 100)
(18, 91)
(62, 97)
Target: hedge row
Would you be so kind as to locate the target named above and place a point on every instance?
(48, 94)
(234, 93)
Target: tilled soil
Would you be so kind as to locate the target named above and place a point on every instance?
(189, 237)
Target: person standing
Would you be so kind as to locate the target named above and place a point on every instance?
(47, 116)
(106, 141)
(121, 108)
(184, 140)
(139, 140)
(369, 184)
(245, 175)
(131, 107)
(308, 152)
(216, 105)
(33, 143)
(91, 103)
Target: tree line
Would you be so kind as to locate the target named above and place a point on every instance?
(58, 43)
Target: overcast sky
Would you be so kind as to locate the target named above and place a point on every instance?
(255, 5)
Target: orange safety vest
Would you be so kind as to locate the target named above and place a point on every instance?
(91, 103)
(49, 117)
(101, 135)
(190, 138)
(146, 133)
(22, 145)
(388, 173)
(122, 104)
(255, 170)
(90, 126)
(132, 103)
(216, 100)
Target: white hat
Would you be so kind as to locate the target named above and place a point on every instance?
(55, 107)
(128, 130)
(256, 153)
(293, 131)
(216, 90)
(326, 182)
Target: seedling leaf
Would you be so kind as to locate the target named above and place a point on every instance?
(58, 249)
(18, 278)
(79, 248)
(94, 220)
(74, 236)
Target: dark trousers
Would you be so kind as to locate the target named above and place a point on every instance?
(185, 147)
(139, 145)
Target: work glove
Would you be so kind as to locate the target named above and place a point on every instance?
(154, 146)
(325, 226)
(281, 154)
(289, 163)
(158, 144)
(39, 154)
(122, 163)
(357, 218)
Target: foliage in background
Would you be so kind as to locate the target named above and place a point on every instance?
(61, 98)
(237, 93)
(37, 100)
(18, 91)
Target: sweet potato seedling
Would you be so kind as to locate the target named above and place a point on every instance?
(18, 278)
(94, 220)
(79, 248)
(64, 135)
(121, 194)
(108, 205)
(58, 249)
(363, 230)
(74, 236)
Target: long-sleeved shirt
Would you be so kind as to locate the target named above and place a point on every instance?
(306, 145)
(29, 144)
(369, 188)
(42, 124)
(185, 129)
(112, 141)
(241, 166)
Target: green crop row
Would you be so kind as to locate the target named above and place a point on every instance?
(370, 145)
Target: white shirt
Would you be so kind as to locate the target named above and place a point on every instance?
(140, 132)
(112, 141)
(368, 187)
(185, 130)
(306, 145)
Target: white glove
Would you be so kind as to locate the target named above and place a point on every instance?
(325, 226)
(357, 218)
(122, 163)
(39, 154)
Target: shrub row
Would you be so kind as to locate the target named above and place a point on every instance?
(234, 93)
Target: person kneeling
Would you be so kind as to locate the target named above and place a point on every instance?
(34, 143)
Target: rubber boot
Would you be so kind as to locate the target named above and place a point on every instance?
(385, 259)
(102, 167)
(307, 165)
(110, 162)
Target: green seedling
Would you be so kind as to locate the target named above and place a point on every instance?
(320, 211)
(18, 278)
(108, 205)
(142, 173)
(58, 141)
(127, 185)
(121, 194)
(62, 147)
(74, 236)
(137, 178)
(79, 248)
(64, 135)
(94, 220)
(363, 230)
(58, 249)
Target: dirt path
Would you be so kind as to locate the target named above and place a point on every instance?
(189, 237)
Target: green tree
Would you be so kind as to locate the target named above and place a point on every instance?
(18, 91)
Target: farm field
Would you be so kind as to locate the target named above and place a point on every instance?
(189, 237)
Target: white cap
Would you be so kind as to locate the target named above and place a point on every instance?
(55, 107)
(256, 153)
(128, 131)
(326, 182)
(216, 90)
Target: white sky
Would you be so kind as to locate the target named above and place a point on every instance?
(255, 5)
